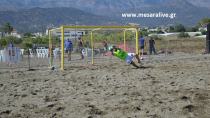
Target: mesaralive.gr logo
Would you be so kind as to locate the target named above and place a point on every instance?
(149, 15)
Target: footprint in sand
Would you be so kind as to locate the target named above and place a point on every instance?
(189, 108)
(172, 83)
(24, 95)
(60, 108)
(95, 111)
(50, 105)
(6, 112)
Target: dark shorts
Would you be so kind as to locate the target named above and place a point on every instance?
(68, 50)
(142, 47)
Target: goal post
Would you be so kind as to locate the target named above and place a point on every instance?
(135, 29)
(50, 47)
(50, 36)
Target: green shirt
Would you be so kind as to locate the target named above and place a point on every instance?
(120, 54)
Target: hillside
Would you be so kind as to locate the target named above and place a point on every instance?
(38, 19)
(200, 3)
(188, 12)
(97, 5)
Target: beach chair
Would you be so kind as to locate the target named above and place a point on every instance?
(1, 55)
(31, 54)
(38, 53)
(45, 53)
(87, 52)
(55, 52)
(21, 52)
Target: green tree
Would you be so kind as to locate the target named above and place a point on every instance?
(6, 40)
(144, 32)
(27, 42)
(28, 35)
(171, 29)
(203, 32)
(3, 42)
(203, 22)
(179, 28)
(7, 28)
(192, 29)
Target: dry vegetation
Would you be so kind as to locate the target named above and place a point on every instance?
(187, 45)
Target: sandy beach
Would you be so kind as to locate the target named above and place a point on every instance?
(172, 86)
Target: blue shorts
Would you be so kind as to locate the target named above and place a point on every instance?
(129, 59)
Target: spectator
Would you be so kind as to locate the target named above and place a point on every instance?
(11, 51)
(142, 44)
(152, 46)
(69, 48)
(66, 43)
(34, 47)
(105, 44)
(81, 48)
(11, 45)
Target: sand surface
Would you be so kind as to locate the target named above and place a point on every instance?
(173, 86)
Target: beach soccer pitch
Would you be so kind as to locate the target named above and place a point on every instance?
(62, 29)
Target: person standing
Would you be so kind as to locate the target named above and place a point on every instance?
(152, 46)
(105, 44)
(11, 53)
(106, 47)
(81, 48)
(68, 48)
(142, 45)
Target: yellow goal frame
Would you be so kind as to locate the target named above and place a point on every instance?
(90, 28)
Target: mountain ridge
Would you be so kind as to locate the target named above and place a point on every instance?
(38, 19)
(188, 12)
(94, 4)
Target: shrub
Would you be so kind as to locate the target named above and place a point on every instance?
(197, 34)
(6, 40)
(183, 35)
(179, 28)
(144, 32)
(155, 37)
(203, 32)
(27, 45)
(18, 41)
(192, 29)
(3, 42)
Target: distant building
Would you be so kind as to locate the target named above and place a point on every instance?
(202, 29)
(1, 34)
(38, 34)
(70, 34)
(134, 24)
(153, 30)
(15, 34)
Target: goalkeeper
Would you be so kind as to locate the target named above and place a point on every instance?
(125, 56)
